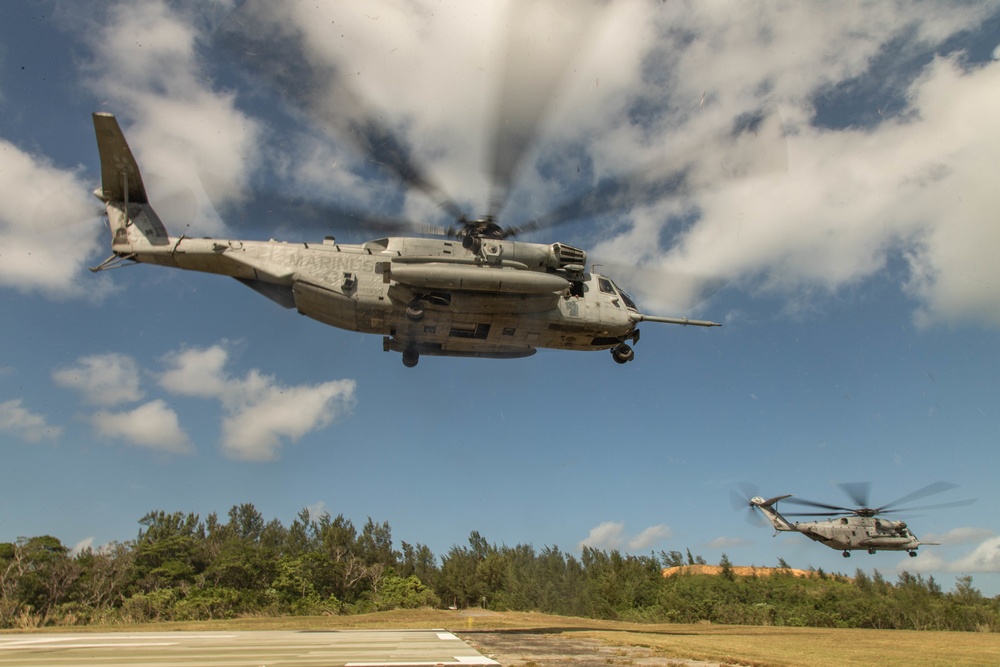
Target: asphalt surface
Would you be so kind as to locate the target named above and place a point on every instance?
(350, 648)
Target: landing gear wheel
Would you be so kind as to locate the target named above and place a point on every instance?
(846, 554)
(871, 551)
(415, 311)
(622, 354)
(410, 357)
(913, 554)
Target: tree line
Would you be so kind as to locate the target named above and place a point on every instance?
(181, 567)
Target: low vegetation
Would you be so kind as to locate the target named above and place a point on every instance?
(182, 568)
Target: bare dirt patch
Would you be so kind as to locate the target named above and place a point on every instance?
(520, 648)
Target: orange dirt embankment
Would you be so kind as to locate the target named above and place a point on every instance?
(738, 570)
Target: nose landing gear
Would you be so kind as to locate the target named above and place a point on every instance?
(622, 353)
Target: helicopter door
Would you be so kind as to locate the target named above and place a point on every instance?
(609, 303)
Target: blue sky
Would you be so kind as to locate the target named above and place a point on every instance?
(860, 276)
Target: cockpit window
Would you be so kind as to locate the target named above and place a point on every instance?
(609, 287)
(629, 303)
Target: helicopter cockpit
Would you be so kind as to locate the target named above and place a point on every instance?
(608, 286)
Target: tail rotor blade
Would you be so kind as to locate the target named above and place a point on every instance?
(741, 501)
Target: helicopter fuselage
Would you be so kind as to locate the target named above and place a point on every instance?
(847, 533)
(474, 296)
(429, 294)
(859, 532)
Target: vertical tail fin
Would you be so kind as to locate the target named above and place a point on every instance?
(133, 221)
(767, 507)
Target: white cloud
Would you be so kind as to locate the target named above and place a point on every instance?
(185, 128)
(611, 535)
(152, 425)
(262, 414)
(82, 545)
(728, 543)
(649, 537)
(49, 231)
(984, 558)
(654, 84)
(963, 535)
(607, 535)
(102, 379)
(917, 185)
(256, 426)
(316, 510)
(14, 417)
(197, 372)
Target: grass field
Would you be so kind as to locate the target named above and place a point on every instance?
(754, 646)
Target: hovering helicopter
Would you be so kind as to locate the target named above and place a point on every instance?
(856, 528)
(474, 293)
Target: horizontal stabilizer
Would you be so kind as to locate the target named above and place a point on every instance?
(120, 178)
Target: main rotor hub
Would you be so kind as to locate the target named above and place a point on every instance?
(480, 228)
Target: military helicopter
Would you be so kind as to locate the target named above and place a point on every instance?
(474, 293)
(468, 289)
(851, 529)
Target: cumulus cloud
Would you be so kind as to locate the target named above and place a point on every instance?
(649, 537)
(611, 535)
(908, 176)
(48, 229)
(180, 127)
(964, 535)
(984, 558)
(27, 425)
(152, 425)
(261, 413)
(102, 379)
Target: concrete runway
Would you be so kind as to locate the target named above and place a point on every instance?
(349, 648)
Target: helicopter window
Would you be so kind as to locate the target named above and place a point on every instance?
(508, 331)
(467, 330)
(629, 303)
(843, 521)
(606, 286)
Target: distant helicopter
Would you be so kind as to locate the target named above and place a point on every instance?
(474, 293)
(853, 528)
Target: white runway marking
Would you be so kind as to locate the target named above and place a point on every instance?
(354, 648)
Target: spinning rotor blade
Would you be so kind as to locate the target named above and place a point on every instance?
(539, 51)
(268, 48)
(795, 500)
(307, 218)
(897, 510)
(929, 490)
(753, 146)
(857, 491)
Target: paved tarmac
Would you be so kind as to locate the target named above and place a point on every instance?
(349, 648)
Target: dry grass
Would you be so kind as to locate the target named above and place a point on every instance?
(753, 646)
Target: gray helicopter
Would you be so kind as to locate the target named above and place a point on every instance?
(851, 529)
(473, 293)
